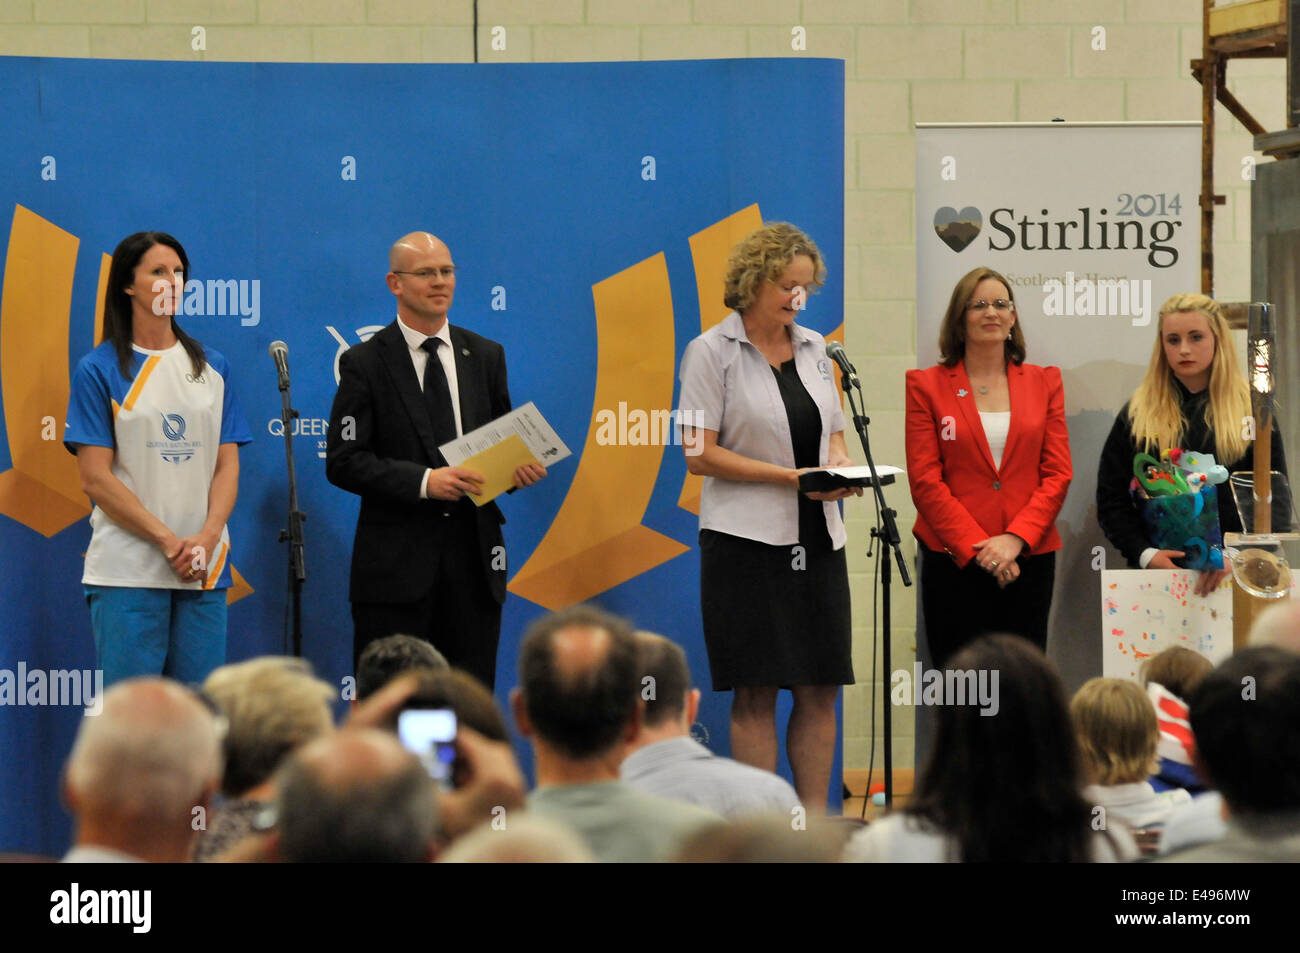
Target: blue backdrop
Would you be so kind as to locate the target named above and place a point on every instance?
(536, 178)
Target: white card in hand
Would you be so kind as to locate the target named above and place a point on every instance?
(526, 422)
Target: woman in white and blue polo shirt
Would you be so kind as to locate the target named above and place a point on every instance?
(758, 405)
(156, 430)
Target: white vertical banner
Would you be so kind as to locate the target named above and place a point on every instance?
(1094, 225)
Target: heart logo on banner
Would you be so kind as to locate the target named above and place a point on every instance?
(958, 229)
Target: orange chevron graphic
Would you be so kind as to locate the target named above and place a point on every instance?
(105, 263)
(597, 540)
(838, 335)
(239, 587)
(710, 249)
(43, 489)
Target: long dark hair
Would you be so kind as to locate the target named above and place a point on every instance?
(1007, 787)
(117, 303)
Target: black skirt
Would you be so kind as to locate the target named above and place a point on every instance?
(774, 615)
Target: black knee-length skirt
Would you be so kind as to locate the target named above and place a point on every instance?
(774, 615)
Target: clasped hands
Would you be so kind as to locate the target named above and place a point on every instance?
(451, 483)
(997, 555)
(191, 557)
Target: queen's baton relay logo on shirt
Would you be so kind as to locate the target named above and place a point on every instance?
(177, 449)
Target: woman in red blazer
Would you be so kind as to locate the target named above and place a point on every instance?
(988, 460)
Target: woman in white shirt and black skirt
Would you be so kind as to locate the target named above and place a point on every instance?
(759, 406)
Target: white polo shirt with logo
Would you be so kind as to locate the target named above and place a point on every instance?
(165, 426)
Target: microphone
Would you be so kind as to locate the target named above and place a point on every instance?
(279, 352)
(835, 351)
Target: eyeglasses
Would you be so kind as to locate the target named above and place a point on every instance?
(447, 272)
(1000, 304)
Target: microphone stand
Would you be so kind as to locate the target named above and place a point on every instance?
(297, 564)
(888, 536)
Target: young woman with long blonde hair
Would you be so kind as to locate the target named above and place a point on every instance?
(1194, 396)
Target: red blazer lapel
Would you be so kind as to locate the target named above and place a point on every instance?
(1021, 400)
(962, 392)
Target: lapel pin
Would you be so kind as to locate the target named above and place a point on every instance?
(962, 392)
(465, 351)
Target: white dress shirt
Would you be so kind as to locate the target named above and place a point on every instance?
(420, 360)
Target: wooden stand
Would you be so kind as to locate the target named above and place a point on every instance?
(1245, 610)
(1239, 31)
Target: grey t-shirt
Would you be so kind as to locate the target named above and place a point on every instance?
(619, 823)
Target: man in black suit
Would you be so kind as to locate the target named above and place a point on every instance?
(425, 560)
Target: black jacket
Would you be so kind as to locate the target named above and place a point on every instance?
(380, 442)
(1120, 517)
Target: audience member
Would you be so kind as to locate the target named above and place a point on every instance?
(140, 772)
(664, 760)
(464, 694)
(1244, 716)
(487, 778)
(272, 705)
(1118, 735)
(1000, 784)
(355, 796)
(1198, 822)
(766, 840)
(1169, 677)
(578, 703)
(1177, 668)
(524, 840)
(384, 659)
(1278, 625)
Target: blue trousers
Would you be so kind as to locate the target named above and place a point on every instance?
(180, 633)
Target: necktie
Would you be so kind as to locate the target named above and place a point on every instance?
(437, 395)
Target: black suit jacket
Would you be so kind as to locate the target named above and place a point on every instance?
(380, 443)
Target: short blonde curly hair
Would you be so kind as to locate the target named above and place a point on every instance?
(761, 256)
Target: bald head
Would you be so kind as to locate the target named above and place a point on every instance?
(152, 754)
(1278, 625)
(354, 759)
(410, 248)
(422, 278)
(578, 676)
(356, 796)
(527, 840)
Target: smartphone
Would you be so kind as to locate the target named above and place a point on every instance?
(430, 733)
